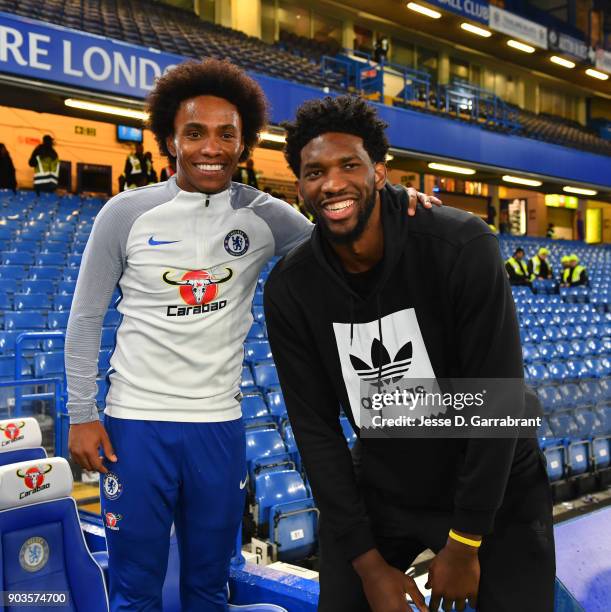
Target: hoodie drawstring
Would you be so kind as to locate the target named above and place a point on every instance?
(379, 311)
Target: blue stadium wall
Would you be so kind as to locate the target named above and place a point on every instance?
(61, 49)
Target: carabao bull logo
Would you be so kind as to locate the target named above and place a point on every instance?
(34, 479)
(198, 287)
(112, 520)
(12, 431)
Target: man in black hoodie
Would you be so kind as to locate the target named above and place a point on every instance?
(432, 292)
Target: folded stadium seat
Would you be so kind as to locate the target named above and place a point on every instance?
(25, 320)
(563, 425)
(32, 301)
(586, 422)
(545, 435)
(50, 259)
(550, 397)
(266, 377)
(577, 368)
(255, 412)
(62, 302)
(17, 258)
(536, 335)
(536, 373)
(66, 287)
(256, 332)
(49, 272)
(58, 320)
(555, 459)
(547, 351)
(592, 392)
(48, 365)
(277, 407)
(247, 383)
(258, 314)
(579, 348)
(530, 353)
(593, 346)
(112, 317)
(578, 462)
(597, 367)
(524, 335)
(9, 285)
(265, 451)
(572, 396)
(257, 351)
(600, 453)
(529, 320)
(558, 371)
(37, 286)
(43, 546)
(564, 350)
(74, 261)
(70, 274)
(291, 446)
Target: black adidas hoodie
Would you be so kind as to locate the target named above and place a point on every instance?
(443, 287)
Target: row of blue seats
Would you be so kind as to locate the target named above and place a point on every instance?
(578, 424)
(42, 285)
(52, 254)
(554, 333)
(571, 369)
(572, 395)
(39, 321)
(54, 273)
(557, 314)
(46, 365)
(35, 301)
(56, 321)
(565, 349)
(576, 458)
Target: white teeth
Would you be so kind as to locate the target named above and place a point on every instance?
(340, 205)
(210, 167)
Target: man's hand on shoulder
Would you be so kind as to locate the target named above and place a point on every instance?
(385, 586)
(416, 197)
(454, 577)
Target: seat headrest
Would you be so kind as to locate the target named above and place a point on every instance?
(29, 482)
(19, 433)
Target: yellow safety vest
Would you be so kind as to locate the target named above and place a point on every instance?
(536, 265)
(515, 264)
(566, 274)
(47, 170)
(575, 277)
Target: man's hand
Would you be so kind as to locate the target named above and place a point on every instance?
(416, 197)
(385, 587)
(84, 441)
(454, 577)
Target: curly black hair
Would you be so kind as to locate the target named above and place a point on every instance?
(346, 114)
(210, 77)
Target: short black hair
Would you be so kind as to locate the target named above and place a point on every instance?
(347, 114)
(518, 250)
(210, 77)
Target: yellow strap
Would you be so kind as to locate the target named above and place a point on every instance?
(463, 540)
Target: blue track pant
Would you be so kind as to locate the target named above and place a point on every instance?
(189, 474)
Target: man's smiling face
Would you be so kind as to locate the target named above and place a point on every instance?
(207, 143)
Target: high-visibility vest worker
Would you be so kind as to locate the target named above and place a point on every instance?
(46, 171)
(579, 274)
(538, 266)
(516, 269)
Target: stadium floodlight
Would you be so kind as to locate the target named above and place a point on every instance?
(597, 74)
(423, 10)
(579, 190)
(449, 168)
(107, 109)
(469, 27)
(273, 137)
(521, 181)
(562, 62)
(520, 46)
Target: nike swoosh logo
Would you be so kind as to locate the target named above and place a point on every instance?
(243, 484)
(154, 242)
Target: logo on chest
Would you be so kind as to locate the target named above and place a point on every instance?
(236, 242)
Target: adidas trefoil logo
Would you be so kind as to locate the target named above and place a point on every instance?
(382, 365)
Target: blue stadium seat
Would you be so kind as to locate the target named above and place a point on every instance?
(530, 353)
(349, 433)
(276, 487)
(586, 422)
(43, 544)
(545, 434)
(600, 452)
(17, 258)
(70, 274)
(9, 285)
(563, 425)
(578, 458)
(62, 302)
(49, 272)
(257, 351)
(104, 360)
(571, 394)
(50, 259)
(276, 404)
(247, 382)
(291, 445)
(37, 286)
(32, 301)
(547, 351)
(257, 299)
(58, 320)
(254, 409)
(592, 392)
(256, 332)
(265, 450)
(6, 302)
(29, 321)
(109, 335)
(74, 261)
(258, 314)
(550, 397)
(597, 367)
(56, 247)
(564, 350)
(47, 365)
(66, 287)
(555, 462)
(536, 335)
(552, 333)
(577, 368)
(558, 371)
(112, 317)
(14, 272)
(266, 376)
(536, 373)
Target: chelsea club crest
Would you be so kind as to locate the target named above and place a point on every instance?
(236, 242)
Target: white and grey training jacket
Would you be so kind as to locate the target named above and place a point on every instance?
(187, 266)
